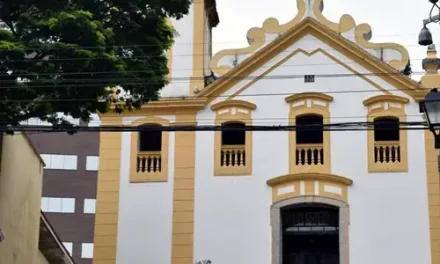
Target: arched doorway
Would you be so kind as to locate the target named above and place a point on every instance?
(310, 230)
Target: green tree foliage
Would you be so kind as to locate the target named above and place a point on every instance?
(60, 55)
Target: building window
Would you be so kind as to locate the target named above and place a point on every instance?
(58, 205)
(386, 140)
(87, 250)
(309, 144)
(60, 162)
(309, 140)
(387, 144)
(89, 206)
(149, 151)
(69, 247)
(92, 163)
(233, 145)
(233, 150)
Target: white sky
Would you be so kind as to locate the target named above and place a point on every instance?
(396, 21)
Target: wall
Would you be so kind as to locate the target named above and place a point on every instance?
(232, 213)
(389, 211)
(145, 210)
(41, 259)
(80, 184)
(20, 191)
(182, 59)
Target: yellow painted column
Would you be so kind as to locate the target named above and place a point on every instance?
(197, 79)
(433, 195)
(107, 200)
(183, 198)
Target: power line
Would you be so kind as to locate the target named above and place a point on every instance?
(262, 119)
(187, 69)
(180, 98)
(348, 126)
(74, 46)
(146, 57)
(138, 81)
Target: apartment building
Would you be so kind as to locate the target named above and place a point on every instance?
(69, 188)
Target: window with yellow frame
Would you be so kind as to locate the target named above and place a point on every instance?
(233, 145)
(149, 151)
(387, 143)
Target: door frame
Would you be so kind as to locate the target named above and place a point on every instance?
(344, 222)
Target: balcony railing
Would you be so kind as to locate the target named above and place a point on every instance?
(149, 162)
(387, 152)
(309, 154)
(233, 156)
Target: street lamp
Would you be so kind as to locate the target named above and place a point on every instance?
(431, 108)
(425, 36)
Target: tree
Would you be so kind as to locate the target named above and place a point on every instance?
(61, 55)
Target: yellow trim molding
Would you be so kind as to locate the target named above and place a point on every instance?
(142, 177)
(183, 193)
(386, 98)
(233, 111)
(309, 104)
(162, 107)
(309, 184)
(302, 96)
(387, 106)
(432, 157)
(233, 103)
(331, 38)
(197, 79)
(107, 198)
(257, 37)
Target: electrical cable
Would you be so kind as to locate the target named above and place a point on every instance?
(347, 126)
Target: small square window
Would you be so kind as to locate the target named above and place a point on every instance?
(57, 162)
(47, 160)
(89, 206)
(68, 205)
(69, 247)
(44, 204)
(70, 162)
(92, 163)
(87, 251)
(54, 205)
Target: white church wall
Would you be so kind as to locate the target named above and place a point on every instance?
(389, 212)
(145, 210)
(182, 57)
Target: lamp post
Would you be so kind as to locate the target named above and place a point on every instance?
(425, 36)
(431, 108)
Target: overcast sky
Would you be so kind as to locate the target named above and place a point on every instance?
(391, 21)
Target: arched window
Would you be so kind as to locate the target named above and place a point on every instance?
(149, 158)
(233, 145)
(150, 140)
(387, 143)
(233, 153)
(233, 133)
(386, 129)
(309, 129)
(309, 144)
(386, 138)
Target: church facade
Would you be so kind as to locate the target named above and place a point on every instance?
(272, 197)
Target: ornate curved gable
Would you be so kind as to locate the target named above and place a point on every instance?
(258, 37)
